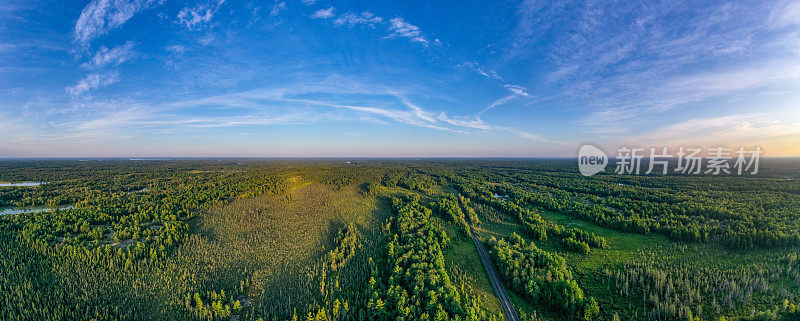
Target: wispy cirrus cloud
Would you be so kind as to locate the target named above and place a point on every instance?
(323, 13)
(625, 61)
(397, 27)
(501, 101)
(612, 67)
(675, 91)
(292, 105)
(111, 57)
(277, 8)
(517, 91)
(474, 66)
(351, 19)
(729, 131)
(177, 49)
(478, 124)
(93, 81)
(97, 19)
(489, 73)
(200, 15)
(400, 28)
(411, 116)
(100, 69)
(141, 117)
(464, 121)
(785, 14)
(100, 16)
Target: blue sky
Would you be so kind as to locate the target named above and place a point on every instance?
(395, 78)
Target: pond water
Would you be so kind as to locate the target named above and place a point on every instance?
(22, 184)
(33, 209)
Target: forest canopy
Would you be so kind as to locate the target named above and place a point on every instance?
(374, 239)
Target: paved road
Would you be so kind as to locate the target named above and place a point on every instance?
(505, 301)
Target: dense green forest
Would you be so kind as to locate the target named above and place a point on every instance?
(391, 239)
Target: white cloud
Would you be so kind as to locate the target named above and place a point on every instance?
(411, 116)
(631, 101)
(196, 17)
(418, 111)
(517, 90)
(420, 117)
(731, 131)
(498, 102)
(621, 61)
(400, 28)
(477, 123)
(99, 76)
(323, 13)
(177, 49)
(93, 81)
(124, 119)
(744, 77)
(277, 8)
(111, 57)
(474, 66)
(534, 137)
(257, 100)
(100, 16)
(785, 15)
(397, 26)
(464, 121)
(309, 2)
(351, 19)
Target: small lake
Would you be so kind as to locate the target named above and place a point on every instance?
(22, 184)
(33, 209)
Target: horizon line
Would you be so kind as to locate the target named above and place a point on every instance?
(145, 158)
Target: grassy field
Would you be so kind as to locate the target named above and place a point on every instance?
(461, 256)
(625, 248)
(274, 244)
